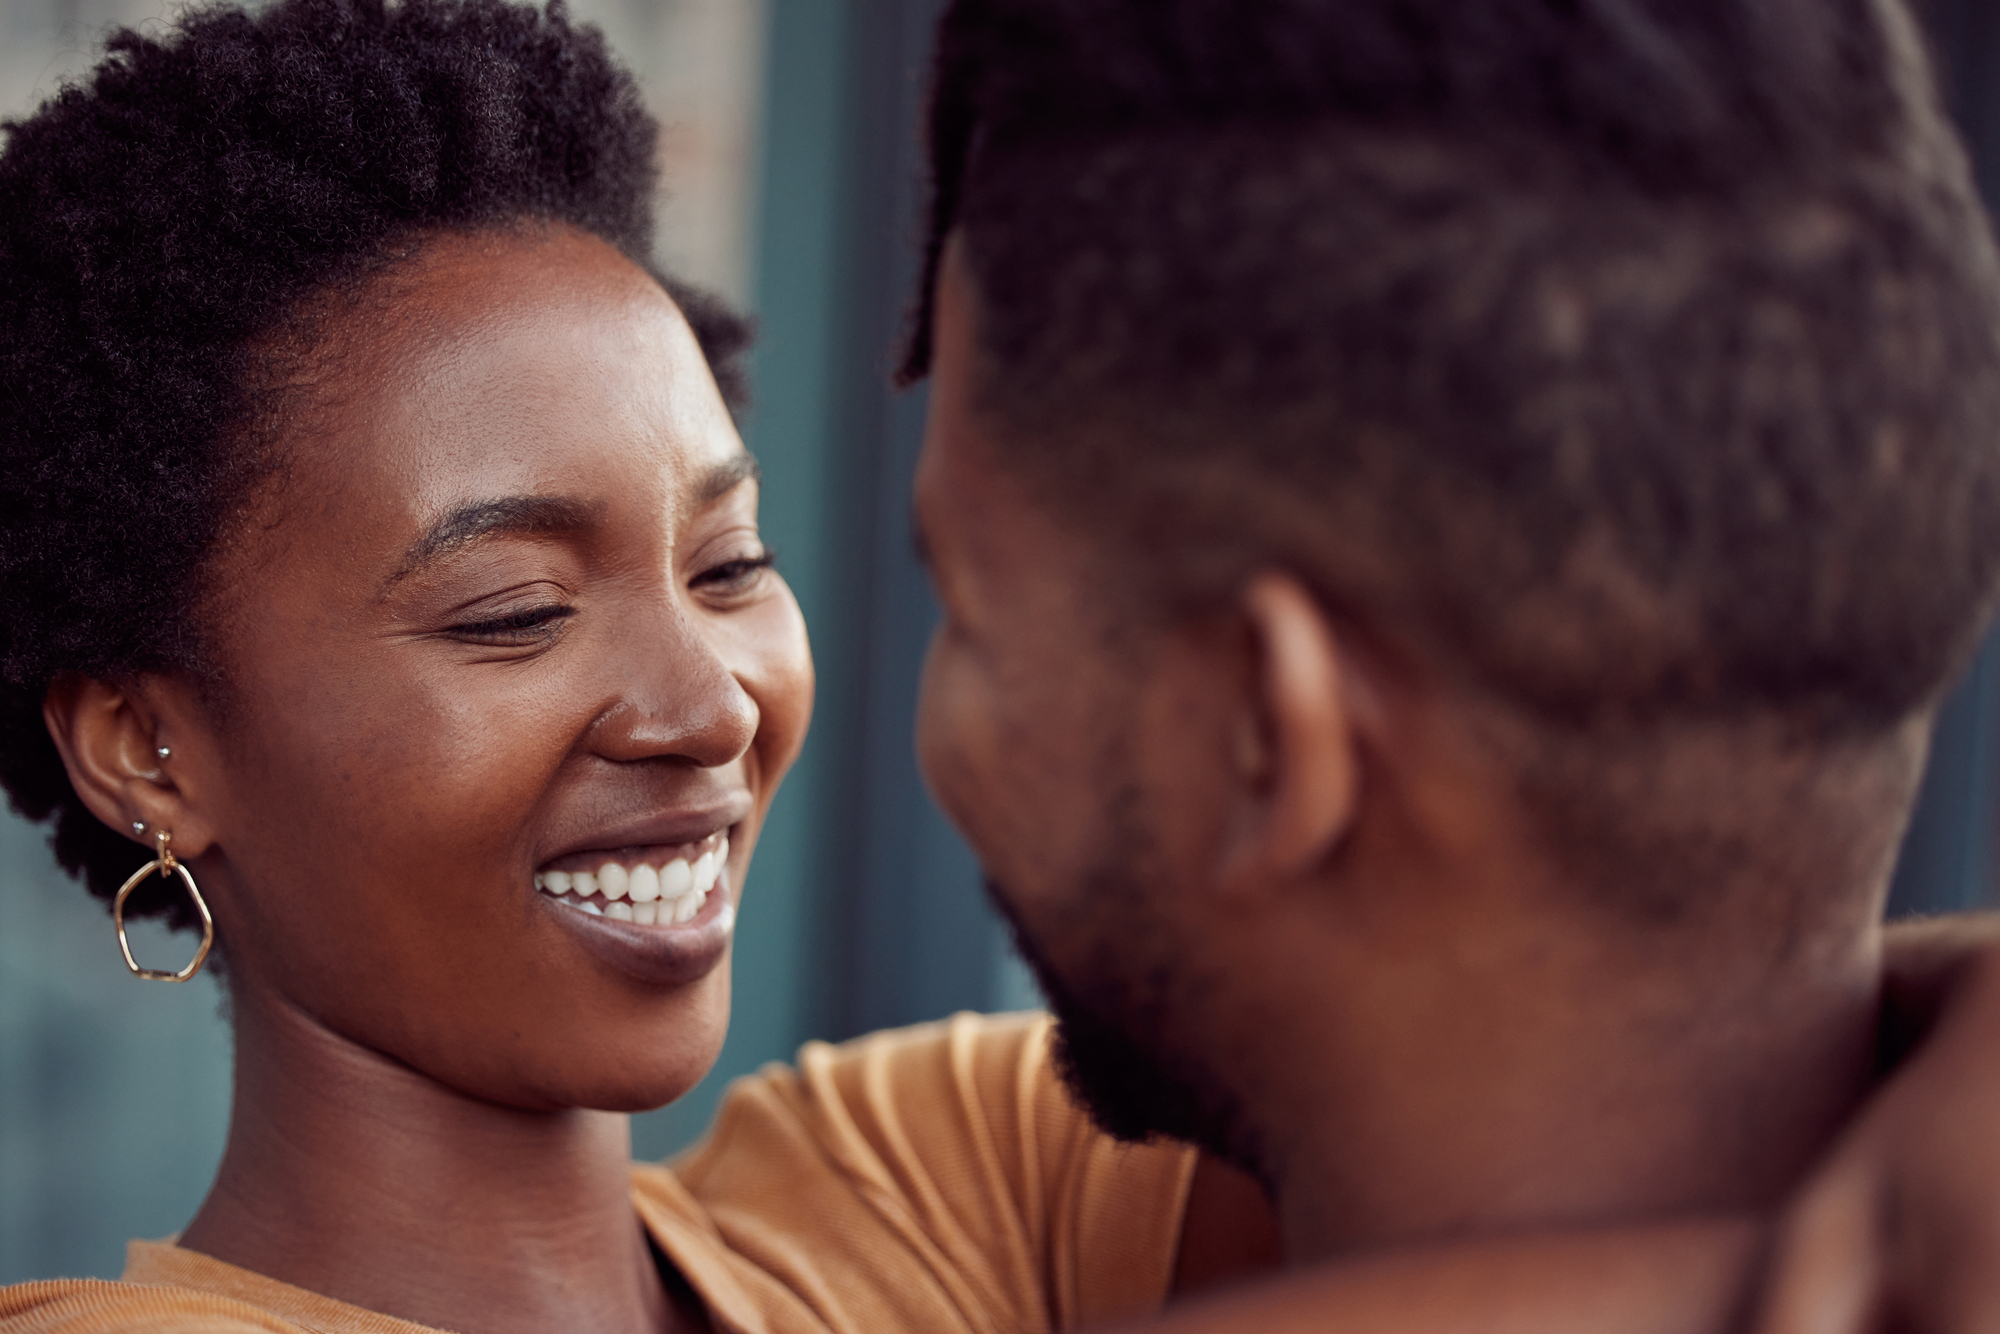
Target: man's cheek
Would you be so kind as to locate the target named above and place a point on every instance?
(973, 769)
(944, 733)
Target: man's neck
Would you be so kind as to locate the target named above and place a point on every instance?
(352, 1176)
(1471, 1077)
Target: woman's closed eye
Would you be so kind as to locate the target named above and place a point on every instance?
(735, 579)
(726, 583)
(522, 628)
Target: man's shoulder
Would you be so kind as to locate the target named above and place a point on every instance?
(941, 1170)
(931, 1089)
(982, 1045)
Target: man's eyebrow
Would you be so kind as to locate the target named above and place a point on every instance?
(727, 476)
(510, 516)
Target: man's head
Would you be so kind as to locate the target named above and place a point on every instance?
(1588, 404)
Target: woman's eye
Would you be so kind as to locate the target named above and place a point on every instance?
(733, 578)
(522, 627)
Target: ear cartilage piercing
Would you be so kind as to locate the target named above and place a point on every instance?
(165, 752)
(138, 826)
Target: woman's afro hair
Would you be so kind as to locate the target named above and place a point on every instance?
(164, 220)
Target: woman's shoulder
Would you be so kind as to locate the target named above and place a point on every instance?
(100, 1306)
(167, 1290)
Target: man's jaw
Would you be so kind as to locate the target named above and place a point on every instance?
(1130, 1092)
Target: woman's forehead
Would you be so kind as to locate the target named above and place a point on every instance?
(493, 347)
(551, 302)
(518, 365)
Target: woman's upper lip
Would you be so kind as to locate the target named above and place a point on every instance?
(664, 828)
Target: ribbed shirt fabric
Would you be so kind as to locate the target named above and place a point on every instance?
(935, 1179)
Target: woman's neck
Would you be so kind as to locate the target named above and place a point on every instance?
(352, 1176)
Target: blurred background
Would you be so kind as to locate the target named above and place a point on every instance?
(789, 158)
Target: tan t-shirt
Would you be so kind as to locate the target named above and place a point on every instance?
(937, 1178)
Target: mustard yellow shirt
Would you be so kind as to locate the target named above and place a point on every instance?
(936, 1178)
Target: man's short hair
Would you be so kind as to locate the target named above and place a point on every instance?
(1640, 359)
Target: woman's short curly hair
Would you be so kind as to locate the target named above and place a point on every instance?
(176, 213)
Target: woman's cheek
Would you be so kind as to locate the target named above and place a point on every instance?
(781, 682)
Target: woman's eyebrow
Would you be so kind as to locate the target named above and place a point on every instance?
(517, 516)
(509, 516)
(726, 476)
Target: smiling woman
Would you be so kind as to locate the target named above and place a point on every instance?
(382, 561)
(506, 613)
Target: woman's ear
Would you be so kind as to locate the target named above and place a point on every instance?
(111, 739)
(1295, 746)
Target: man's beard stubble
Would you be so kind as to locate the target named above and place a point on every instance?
(1113, 1045)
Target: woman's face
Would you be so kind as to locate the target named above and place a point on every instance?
(510, 684)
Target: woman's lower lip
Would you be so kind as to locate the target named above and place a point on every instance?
(658, 955)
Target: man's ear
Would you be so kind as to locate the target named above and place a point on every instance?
(1295, 748)
(110, 738)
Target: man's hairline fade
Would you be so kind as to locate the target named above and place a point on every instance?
(1137, 416)
(1933, 162)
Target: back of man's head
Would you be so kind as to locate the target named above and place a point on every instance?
(1638, 361)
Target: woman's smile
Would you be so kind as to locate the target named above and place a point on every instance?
(663, 912)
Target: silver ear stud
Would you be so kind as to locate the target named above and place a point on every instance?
(165, 752)
(138, 826)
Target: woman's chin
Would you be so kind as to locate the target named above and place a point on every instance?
(651, 1091)
(645, 1076)
(640, 1087)
(625, 1063)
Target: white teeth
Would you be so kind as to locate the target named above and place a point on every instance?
(664, 896)
(611, 880)
(645, 884)
(675, 879)
(663, 912)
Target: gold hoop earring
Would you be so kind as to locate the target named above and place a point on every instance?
(167, 864)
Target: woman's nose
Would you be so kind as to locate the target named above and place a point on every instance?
(679, 701)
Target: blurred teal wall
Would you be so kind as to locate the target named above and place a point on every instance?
(1951, 855)
(864, 908)
(114, 1095)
